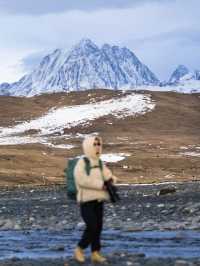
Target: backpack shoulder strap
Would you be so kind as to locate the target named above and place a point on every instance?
(87, 165)
(100, 164)
(101, 168)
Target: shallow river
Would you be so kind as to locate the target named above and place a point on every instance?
(57, 244)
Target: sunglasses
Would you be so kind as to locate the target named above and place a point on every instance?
(97, 144)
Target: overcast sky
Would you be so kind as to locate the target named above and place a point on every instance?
(162, 33)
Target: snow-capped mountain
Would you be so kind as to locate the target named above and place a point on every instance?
(184, 80)
(85, 66)
(180, 72)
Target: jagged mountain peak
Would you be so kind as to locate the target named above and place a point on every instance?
(182, 68)
(85, 42)
(106, 46)
(85, 45)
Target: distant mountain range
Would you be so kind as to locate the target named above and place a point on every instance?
(86, 66)
(182, 73)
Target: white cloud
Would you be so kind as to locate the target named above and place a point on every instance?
(10, 67)
(157, 31)
(45, 6)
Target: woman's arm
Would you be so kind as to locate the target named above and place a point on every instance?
(108, 174)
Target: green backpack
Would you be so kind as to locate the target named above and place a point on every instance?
(69, 175)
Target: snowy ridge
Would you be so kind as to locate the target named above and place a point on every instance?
(67, 117)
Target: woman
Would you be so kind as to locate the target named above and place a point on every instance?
(91, 195)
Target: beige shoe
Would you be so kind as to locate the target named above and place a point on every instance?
(79, 255)
(97, 257)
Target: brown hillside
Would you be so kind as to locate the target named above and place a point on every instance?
(155, 140)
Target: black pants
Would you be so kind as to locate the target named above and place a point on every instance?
(92, 214)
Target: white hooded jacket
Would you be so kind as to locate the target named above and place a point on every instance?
(90, 187)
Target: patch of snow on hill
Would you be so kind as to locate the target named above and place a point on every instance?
(67, 117)
(114, 157)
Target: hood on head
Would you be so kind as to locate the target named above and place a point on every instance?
(89, 148)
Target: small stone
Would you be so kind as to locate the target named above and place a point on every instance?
(57, 248)
(2, 222)
(133, 229)
(141, 255)
(188, 210)
(8, 225)
(17, 227)
(15, 259)
(31, 219)
(164, 211)
(181, 263)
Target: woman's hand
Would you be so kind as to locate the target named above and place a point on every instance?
(107, 182)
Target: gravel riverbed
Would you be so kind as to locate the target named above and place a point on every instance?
(148, 219)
